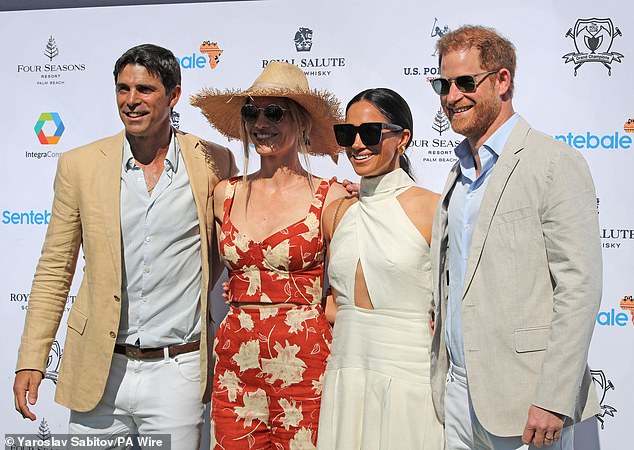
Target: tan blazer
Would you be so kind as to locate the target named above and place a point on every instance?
(532, 286)
(85, 213)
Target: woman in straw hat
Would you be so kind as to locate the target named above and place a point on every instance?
(271, 348)
(376, 391)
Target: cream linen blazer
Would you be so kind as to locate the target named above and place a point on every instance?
(532, 286)
(86, 214)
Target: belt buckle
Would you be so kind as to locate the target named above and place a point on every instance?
(133, 352)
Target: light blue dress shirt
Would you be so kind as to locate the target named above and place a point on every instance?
(464, 206)
(162, 268)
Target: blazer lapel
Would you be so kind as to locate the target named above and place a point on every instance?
(501, 173)
(110, 195)
(196, 170)
(440, 236)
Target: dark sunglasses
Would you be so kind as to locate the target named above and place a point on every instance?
(464, 83)
(273, 113)
(371, 133)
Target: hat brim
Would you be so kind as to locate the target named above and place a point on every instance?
(222, 109)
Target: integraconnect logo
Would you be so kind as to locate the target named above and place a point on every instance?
(49, 139)
(430, 71)
(209, 57)
(593, 40)
(317, 66)
(50, 73)
(605, 385)
(590, 141)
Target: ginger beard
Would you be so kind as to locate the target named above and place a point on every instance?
(471, 114)
(472, 117)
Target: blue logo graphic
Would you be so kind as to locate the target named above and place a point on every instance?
(614, 141)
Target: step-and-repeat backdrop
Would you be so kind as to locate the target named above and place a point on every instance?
(574, 78)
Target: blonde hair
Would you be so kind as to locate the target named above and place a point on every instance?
(303, 124)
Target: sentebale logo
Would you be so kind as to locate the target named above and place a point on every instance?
(212, 51)
(198, 61)
(59, 128)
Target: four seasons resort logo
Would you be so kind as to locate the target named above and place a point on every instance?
(57, 69)
(51, 50)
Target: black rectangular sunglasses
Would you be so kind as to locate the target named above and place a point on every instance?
(370, 133)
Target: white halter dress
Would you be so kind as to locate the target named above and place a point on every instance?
(376, 393)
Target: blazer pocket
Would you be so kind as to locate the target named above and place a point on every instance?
(514, 215)
(77, 320)
(531, 339)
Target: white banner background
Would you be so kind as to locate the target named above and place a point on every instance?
(362, 44)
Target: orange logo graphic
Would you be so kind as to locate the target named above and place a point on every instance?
(212, 51)
(628, 127)
(627, 304)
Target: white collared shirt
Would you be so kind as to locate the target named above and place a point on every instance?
(464, 207)
(161, 255)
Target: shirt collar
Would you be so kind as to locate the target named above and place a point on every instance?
(497, 140)
(489, 152)
(171, 158)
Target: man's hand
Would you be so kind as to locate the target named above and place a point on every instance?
(26, 382)
(543, 427)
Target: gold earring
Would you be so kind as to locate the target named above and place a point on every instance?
(401, 149)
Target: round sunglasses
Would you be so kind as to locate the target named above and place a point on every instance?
(464, 83)
(371, 133)
(273, 113)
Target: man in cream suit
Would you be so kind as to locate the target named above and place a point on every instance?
(517, 264)
(139, 205)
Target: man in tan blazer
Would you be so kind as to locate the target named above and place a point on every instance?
(139, 205)
(517, 264)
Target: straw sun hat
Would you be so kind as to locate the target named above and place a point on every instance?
(278, 79)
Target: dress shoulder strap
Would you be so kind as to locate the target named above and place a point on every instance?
(230, 192)
(317, 205)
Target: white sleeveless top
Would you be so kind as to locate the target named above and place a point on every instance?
(393, 254)
(376, 392)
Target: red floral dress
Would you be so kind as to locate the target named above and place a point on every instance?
(270, 361)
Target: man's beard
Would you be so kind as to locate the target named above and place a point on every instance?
(481, 117)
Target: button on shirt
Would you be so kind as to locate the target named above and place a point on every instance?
(162, 268)
(464, 206)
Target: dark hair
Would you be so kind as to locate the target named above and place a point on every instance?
(395, 109)
(159, 61)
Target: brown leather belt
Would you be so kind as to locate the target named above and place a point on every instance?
(132, 351)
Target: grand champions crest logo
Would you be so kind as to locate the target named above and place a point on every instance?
(593, 40)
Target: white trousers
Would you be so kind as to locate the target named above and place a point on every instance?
(157, 396)
(463, 431)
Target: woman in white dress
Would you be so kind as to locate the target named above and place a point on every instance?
(376, 391)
